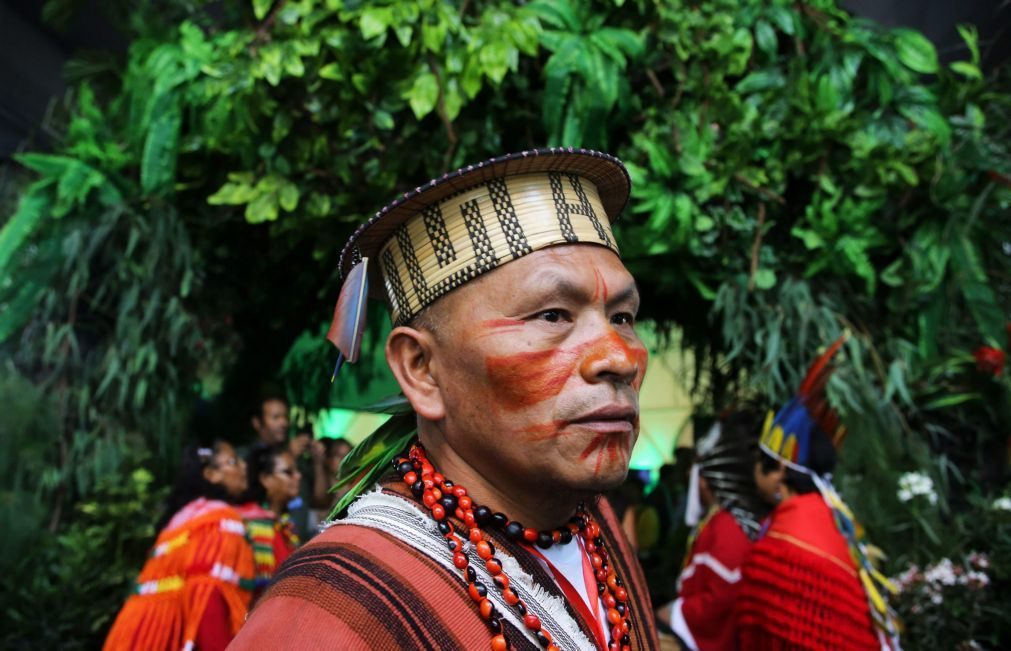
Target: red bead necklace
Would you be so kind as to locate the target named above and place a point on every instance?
(443, 498)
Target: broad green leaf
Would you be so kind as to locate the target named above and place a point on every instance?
(374, 21)
(765, 279)
(915, 51)
(383, 120)
(765, 37)
(262, 209)
(288, 197)
(32, 208)
(261, 7)
(760, 80)
(423, 95)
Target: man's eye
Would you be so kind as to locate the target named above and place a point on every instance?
(623, 318)
(551, 316)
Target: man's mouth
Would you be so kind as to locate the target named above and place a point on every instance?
(610, 419)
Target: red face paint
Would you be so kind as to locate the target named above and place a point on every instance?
(525, 379)
(599, 286)
(498, 324)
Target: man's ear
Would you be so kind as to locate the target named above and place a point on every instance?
(409, 354)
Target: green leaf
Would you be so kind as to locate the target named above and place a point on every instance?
(967, 70)
(383, 120)
(970, 35)
(374, 21)
(765, 37)
(423, 95)
(237, 191)
(158, 160)
(16, 312)
(261, 7)
(760, 80)
(976, 289)
(332, 71)
(371, 458)
(765, 279)
(32, 207)
(262, 209)
(288, 197)
(915, 51)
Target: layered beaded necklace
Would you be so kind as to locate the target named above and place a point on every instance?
(443, 499)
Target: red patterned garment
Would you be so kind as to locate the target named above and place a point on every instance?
(800, 589)
(358, 587)
(702, 615)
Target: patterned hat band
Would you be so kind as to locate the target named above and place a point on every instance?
(474, 231)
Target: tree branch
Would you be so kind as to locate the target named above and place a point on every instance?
(756, 247)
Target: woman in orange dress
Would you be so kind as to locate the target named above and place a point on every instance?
(195, 588)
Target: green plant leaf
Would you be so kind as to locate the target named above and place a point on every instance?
(915, 51)
(423, 95)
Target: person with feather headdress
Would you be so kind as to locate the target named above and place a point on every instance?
(475, 518)
(726, 512)
(808, 582)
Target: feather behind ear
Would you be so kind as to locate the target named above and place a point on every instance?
(349, 315)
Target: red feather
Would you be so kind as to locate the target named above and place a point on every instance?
(812, 392)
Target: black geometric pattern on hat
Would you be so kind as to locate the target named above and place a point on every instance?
(398, 296)
(435, 226)
(561, 207)
(412, 264)
(503, 204)
(345, 262)
(484, 253)
(584, 208)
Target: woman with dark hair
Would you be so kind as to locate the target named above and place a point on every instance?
(194, 590)
(274, 479)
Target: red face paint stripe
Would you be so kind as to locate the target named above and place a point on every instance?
(492, 324)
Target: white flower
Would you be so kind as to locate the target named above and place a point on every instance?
(913, 484)
(1001, 504)
(943, 573)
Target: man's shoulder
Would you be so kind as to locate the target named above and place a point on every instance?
(363, 588)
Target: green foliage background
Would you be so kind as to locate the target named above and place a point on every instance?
(798, 172)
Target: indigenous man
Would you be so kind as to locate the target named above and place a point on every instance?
(723, 489)
(808, 583)
(513, 342)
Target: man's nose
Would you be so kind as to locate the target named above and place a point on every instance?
(612, 359)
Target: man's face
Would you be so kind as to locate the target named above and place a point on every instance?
(273, 422)
(769, 484)
(540, 368)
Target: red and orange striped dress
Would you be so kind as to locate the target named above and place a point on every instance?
(201, 557)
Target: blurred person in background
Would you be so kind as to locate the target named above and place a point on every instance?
(331, 452)
(808, 583)
(626, 501)
(726, 512)
(194, 590)
(270, 422)
(274, 480)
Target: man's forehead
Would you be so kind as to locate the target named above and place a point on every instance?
(566, 261)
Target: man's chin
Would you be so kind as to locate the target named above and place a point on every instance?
(603, 480)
